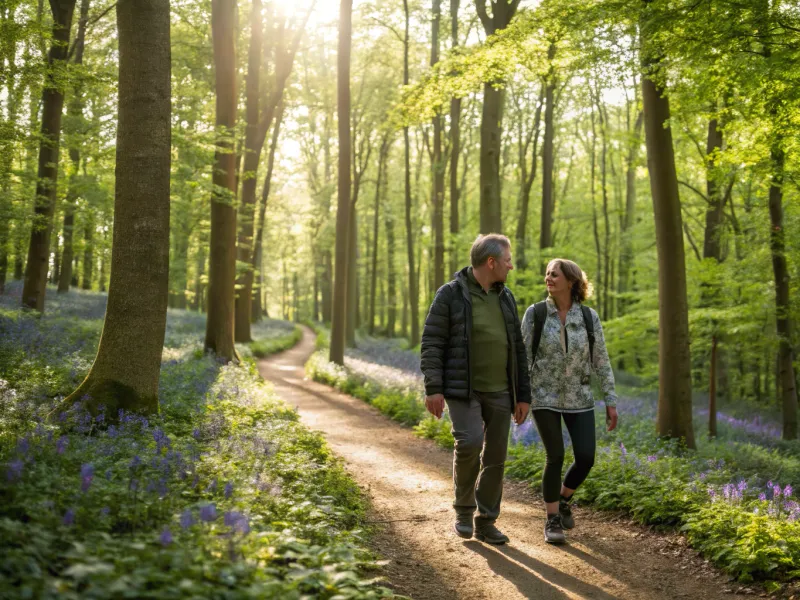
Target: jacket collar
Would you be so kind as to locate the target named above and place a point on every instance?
(574, 312)
(463, 277)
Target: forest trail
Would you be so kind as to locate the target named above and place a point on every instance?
(409, 483)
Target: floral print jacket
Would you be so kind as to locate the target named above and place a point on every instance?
(559, 380)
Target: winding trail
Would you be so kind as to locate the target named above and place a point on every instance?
(409, 483)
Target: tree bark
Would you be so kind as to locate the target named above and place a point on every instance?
(385, 145)
(75, 112)
(391, 277)
(491, 123)
(711, 245)
(413, 282)
(88, 250)
(674, 417)
(258, 254)
(527, 177)
(455, 151)
(548, 158)
(252, 156)
(783, 322)
(338, 325)
(438, 165)
(35, 286)
(630, 204)
(126, 370)
(222, 258)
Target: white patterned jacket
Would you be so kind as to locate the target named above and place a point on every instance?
(559, 380)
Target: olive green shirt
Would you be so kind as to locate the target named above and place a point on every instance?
(488, 342)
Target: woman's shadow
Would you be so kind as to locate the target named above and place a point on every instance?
(532, 577)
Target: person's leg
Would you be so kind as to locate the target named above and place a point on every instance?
(496, 414)
(548, 422)
(467, 429)
(582, 433)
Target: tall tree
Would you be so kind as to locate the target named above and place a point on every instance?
(491, 121)
(222, 257)
(125, 372)
(437, 162)
(338, 326)
(379, 182)
(36, 268)
(455, 149)
(413, 281)
(548, 154)
(75, 112)
(674, 417)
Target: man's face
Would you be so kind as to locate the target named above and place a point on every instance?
(501, 266)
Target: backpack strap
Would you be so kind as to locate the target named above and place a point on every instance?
(589, 323)
(539, 317)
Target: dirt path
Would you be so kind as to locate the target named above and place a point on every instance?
(409, 482)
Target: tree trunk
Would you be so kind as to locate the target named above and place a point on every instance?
(258, 254)
(711, 241)
(35, 286)
(338, 325)
(327, 277)
(527, 177)
(630, 205)
(88, 250)
(222, 259)
(675, 385)
(712, 390)
(491, 122)
(351, 321)
(455, 151)
(548, 158)
(777, 239)
(126, 370)
(200, 267)
(375, 232)
(438, 166)
(606, 313)
(599, 276)
(75, 112)
(413, 283)
(252, 156)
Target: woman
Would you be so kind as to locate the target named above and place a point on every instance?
(570, 345)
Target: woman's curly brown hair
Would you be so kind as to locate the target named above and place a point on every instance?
(581, 288)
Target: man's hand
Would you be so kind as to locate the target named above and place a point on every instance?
(521, 412)
(435, 405)
(611, 417)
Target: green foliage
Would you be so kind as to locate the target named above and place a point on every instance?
(91, 510)
(265, 347)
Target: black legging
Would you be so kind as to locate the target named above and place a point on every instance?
(581, 431)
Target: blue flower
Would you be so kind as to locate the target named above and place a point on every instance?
(228, 489)
(15, 470)
(208, 513)
(62, 444)
(166, 537)
(135, 462)
(69, 517)
(87, 474)
(187, 519)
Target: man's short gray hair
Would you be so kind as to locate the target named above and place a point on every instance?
(489, 245)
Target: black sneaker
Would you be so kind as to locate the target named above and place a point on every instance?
(565, 510)
(463, 526)
(491, 535)
(554, 530)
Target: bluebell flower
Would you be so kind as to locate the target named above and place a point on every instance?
(208, 512)
(187, 519)
(166, 537)
(87, 474)
(134, 485)
(787, 491)
(762, 496)
(23, 446)
(15, 468)
(61, 444)
(135, 462)
(228, 489)
(69, 517)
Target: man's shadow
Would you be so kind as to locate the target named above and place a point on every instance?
(532, 577)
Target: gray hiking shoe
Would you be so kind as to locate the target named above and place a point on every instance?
(565, 510)
(554, 530)
(490, 534)
(463, 526)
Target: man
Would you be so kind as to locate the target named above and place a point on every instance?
(473, 358)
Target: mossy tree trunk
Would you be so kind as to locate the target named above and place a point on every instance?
(126, 370)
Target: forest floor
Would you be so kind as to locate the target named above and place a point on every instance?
(409, 483)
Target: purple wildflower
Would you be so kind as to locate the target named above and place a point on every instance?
(712, 492)
(762, 496)
(135, 462)
(787, 491)
(228, 489)
(134, 485)
(87, 474)
(742, 486)
(23, 446)
(652, 458)
(166, 537)
(15, 470)
(69, 517)
(187, 519)
(208, 512)
(61, 444)
(776, 491)
(622, 449)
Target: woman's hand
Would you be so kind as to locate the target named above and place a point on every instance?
(611, 417)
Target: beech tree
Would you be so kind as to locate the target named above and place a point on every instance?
(126, 370)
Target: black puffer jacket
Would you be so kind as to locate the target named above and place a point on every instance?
(445, 343)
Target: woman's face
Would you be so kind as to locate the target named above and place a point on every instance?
(555, 280)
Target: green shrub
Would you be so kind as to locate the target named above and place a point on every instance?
(268, 346)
